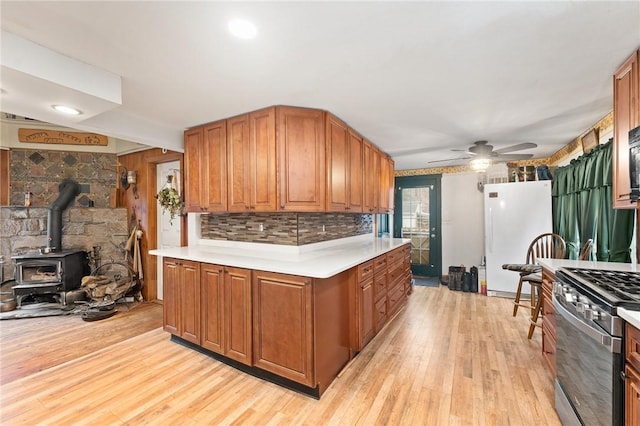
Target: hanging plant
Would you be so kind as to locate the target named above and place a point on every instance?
(170, 200)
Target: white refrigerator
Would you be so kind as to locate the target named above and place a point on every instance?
(514, 214)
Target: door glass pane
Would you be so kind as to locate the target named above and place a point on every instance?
(415, 222)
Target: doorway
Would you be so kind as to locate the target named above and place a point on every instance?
(169, 234)
(417, 217)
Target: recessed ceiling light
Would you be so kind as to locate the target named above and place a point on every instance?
(66, 110)
(242, 28)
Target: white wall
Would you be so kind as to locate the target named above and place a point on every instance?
(462, 221)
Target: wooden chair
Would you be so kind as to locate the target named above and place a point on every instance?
(585, 254)
(585, 251)
(548, 245)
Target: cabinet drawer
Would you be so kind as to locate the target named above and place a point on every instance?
(380, 264)
(395, 273)
(381, 314)
(365, 270)
(396, 297)
(632, 346)
(379, 286)
(395, 256)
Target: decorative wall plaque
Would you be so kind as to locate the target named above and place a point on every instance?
(61, 137)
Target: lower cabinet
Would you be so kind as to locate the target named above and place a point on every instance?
(295, 328)
(632, 380)
(237, 315)
(283, 326)
(181, 289)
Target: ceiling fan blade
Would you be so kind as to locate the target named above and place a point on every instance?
(449, 159)
(518, 147)
(511, 157)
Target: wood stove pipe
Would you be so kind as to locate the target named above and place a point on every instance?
(69, 190)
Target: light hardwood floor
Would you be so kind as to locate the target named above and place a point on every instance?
(448, 358)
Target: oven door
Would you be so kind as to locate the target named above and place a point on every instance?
(588, 363)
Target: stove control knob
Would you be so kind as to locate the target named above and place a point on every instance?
(592, 313)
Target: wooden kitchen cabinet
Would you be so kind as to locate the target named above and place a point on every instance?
(344, 167)
(371, 164)
(181, 290)
(365, 307)
(626, 116)
(386, 180)
(283, 326)
(205, 173)
(238, 336)
(251, 156)
(212, 307)
(301, 159)
(632, 380)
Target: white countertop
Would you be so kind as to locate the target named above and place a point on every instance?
(632, 317)
(322, 260)
(554, 264)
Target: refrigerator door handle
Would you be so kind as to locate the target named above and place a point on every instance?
(490, 230)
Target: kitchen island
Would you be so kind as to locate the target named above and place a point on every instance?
(291, 315)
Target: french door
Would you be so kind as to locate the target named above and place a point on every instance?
(417, 217)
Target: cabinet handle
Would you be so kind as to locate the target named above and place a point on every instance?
(282, 206)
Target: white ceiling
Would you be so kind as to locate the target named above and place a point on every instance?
(426, 76)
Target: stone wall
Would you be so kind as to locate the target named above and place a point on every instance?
(24, 231)
(293, 229)
(40, 173)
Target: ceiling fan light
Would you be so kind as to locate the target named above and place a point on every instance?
(480, 164)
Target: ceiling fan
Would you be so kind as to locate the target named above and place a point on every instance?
(482, 149)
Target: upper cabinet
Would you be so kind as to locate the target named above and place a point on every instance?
(301, 159)
(205, 152)
(251, 157)
(371, 164)
(285, 159)
(626, 116)
(344, 167)
(386, 182)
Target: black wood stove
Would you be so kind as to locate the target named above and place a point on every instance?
(52, 270)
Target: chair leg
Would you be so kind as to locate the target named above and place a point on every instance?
(535, 313)
(516, 302)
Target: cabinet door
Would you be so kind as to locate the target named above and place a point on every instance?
(214, 168)
(283, 326)
(337, 144)
(392, 183)
(370, 204)
(626, 94)
(193, 141)
(190, 301)
(262, 138)
(355, 184)
(237, 315)
(301, 159)
(171, 294)
(366, 309)
(212, 307)
(239, 164)
(632, 397)
(384, 183)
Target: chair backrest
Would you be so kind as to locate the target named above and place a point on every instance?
(585, 251)
(549, 245)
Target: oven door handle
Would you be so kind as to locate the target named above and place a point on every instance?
(614, 344)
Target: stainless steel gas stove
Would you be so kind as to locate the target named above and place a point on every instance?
(589, 356)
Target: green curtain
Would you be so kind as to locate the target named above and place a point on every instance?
(583, 208)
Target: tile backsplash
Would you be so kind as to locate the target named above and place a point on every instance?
(294, 229)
